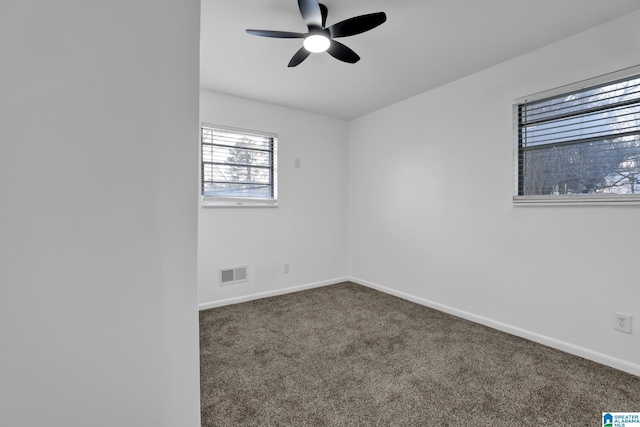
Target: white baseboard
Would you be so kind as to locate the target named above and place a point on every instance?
(604, 359)
(245, 298)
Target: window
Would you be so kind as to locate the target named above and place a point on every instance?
(580, 145)
(238, 167)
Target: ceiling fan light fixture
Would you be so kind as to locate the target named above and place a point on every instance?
(316, 43)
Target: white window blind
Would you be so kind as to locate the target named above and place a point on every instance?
(238, 167)
(585, 142)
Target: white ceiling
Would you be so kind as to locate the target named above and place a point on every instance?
(423, 44)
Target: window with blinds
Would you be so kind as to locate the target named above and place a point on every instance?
(583, 143)
(238, 167)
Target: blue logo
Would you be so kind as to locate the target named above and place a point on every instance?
(607, 420)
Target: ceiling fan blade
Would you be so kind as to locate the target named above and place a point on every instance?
(357, 25)
(311, 13)
(276, 34)
(343, 53)
(300, 56)
(325, 12)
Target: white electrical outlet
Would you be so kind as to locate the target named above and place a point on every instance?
(622, 322)
(287, 267)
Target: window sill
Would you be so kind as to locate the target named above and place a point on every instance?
(578, 200)
(238, 204)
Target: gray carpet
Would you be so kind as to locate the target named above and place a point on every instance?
(347, 355)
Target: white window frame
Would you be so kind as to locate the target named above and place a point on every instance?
(218, 201)
(578, 199)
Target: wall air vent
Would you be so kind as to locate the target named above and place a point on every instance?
(232, 275)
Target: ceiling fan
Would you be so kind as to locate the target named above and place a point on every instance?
(321, 38)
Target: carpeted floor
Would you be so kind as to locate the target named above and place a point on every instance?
(347, 355)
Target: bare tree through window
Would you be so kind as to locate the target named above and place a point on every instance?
(237, 164)
(585, 142)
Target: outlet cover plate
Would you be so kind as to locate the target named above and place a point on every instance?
(622, 322)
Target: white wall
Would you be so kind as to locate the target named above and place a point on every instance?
(98, 202)
(438, 224)
(307, 229)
